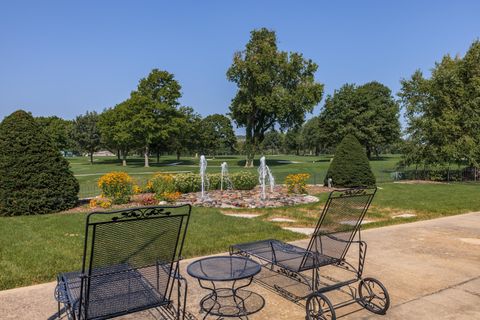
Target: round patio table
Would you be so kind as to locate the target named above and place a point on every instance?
(227, 276)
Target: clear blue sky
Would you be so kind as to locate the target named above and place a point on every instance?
(63, 58)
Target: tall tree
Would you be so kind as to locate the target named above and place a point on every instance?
(314, 135)
(115, 129)
(185, 137)
(369, 112)
(293, 140)
(274, 87)
(59, 130)
(216, 134)
(273, 142)
(443, 112)
(86, 133)
(155, 103)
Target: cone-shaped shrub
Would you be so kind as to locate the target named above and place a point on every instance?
(34, 177)
(350, 166)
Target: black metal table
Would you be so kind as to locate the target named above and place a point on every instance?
(228, 276)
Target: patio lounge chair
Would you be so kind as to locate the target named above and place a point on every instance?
(338, 226)
(130, 263)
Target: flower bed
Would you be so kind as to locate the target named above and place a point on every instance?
(246, 198)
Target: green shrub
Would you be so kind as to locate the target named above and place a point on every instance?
(162, 183)
(116, 186)
(214, 181)
(244, 180)
(350, 166)
(34, 177)
(187, 182)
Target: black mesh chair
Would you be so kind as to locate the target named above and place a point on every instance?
(130, 264)
(337, 228)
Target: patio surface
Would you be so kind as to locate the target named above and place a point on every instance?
(430, 268)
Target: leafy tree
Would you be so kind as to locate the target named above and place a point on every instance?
(155, 118)
(86, 133)
(59, 130)
(274, 87)
(186, 137)
(314, 136)
(35, 177)
(369, 112)
(273, 141)
(293, 140)
(350, 166)
(443, 112)
(115, 125)
(216, 134)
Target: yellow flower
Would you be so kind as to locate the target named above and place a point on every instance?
(93, 203)
(137, 189)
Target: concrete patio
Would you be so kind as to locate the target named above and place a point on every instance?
(431, 269)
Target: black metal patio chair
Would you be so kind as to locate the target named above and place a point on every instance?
(337, 228)
(130, 264)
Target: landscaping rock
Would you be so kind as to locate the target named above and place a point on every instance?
(246, 199)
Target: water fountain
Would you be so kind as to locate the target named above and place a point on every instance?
(225, 178)
(264, 173)
(203, 175)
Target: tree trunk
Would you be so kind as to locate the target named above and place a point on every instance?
(249, 147)
(158, 155)
(91, 158)
(178, 155)
(124, 155)
(146, 154)
(118, 155)
(369, 152)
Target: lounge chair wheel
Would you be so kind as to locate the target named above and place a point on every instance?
(373, 296)
(319, 308)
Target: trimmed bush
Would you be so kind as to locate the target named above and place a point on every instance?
(191, 182)
(117, 186)
(350, 166)
(35, 178)
(244, 180)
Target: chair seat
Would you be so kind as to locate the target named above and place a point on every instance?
(285, 255)
(114, 291)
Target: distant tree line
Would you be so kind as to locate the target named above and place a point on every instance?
(150, 121)
(443, 113)
(276, 90)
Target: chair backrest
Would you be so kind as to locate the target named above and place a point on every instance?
(339, 222)
(132, 254)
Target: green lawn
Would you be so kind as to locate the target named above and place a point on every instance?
(281, 166)
(33, 249)
(426, 201)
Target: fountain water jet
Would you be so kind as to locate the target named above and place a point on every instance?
(264, 173)
(225, 178)
(203, 175)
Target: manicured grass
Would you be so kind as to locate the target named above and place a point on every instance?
(281, 166)
(33, 249)
(427, 201)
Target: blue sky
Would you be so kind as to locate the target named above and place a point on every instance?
(64, 58)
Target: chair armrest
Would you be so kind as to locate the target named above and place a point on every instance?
(345, 241)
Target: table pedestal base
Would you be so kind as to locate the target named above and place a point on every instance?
(227, 302)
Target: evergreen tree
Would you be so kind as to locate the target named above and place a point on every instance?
(350, 166)
(35, 178)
